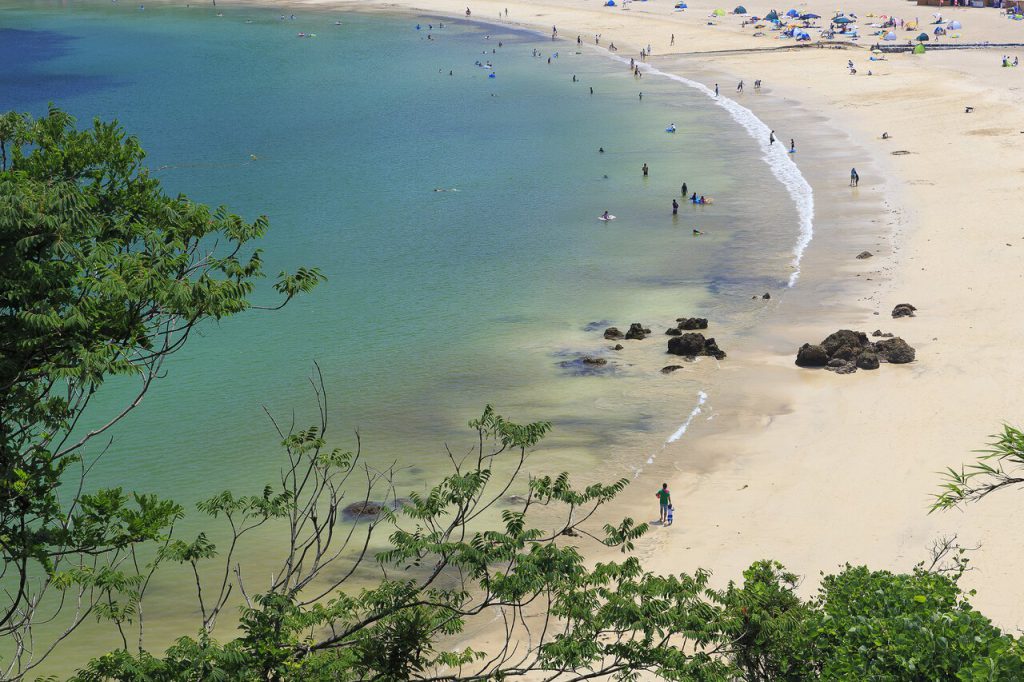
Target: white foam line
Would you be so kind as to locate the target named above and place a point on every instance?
(775, 155)
(702, 398)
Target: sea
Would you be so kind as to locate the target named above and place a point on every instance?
(447, 176)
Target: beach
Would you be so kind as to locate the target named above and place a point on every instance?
(764, 459)
(809, 467)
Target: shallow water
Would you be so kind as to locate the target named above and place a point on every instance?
(436, 303)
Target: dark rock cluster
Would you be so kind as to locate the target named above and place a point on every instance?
(846, 351)
(692, 344)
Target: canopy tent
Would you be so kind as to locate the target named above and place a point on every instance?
(890, 36)
(772, 16)
(919, 48)
(954, 25)
(923, 37)
(740, 10)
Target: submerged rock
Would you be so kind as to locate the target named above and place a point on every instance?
(864, 254)
(670, 368)
(691, 323)
(693, 344)
(362, 510)
(637, 331)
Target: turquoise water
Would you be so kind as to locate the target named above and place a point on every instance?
(436, 302)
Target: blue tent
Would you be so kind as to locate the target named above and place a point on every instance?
(891, 35)
(792, 13)
(954, 25)
(772, 16)
(610, 3)
(740, 10)
(809, 16)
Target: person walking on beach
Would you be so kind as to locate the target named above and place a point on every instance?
(675, 207)
(739, 87)
(641, 97)
(645, 169)
(672, 41)
(664, 500)
(854, 178)
(716, 89)
(771, 138)
(792, 146)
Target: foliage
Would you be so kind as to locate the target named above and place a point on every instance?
(999, 466)
(101, 275)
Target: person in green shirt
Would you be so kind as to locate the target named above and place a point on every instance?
(665, 499)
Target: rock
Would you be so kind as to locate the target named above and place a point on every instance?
(844, 337)
(617, 346)
(711, 349)
(569, 532)
(879, 332)
(637, 331)
(670, 368)
(835, 362)
(867, 360)
(841, 367)
(903, 310)
(895, 350)
(588, 360)
(594, 326)
(362, 510)
(693, 344)
(612, 333)
(811, 356)
(864, 254)
(690, 323)
(766, 296)
(846, 353)
(672, 331)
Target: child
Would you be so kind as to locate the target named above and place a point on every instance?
(669, 521)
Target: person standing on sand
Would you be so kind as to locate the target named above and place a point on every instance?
(792, 146)
(672, 41)
(645, 169)
(664, 500)
(675, 207)
(739, 87)
(854, 177)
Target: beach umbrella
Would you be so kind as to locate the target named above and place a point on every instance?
(954, 25)
(890, 36)
(740, 10)
(923, 37)
(809, 16)
(842, 20)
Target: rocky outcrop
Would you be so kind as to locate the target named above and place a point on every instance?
(879, 332)
(589, 360)
(362, 510)
(846, 351)
(691, 323)
(613, 333)
(637, 331)
(693, 344)
(903, 310)
(895, 350)
(811, 356)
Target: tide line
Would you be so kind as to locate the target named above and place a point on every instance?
(775, 155)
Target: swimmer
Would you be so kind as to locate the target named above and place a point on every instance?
(885, 136)
(253, 157)
(600, 150)
(696, 232)
(675, 207)
(605, 216)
